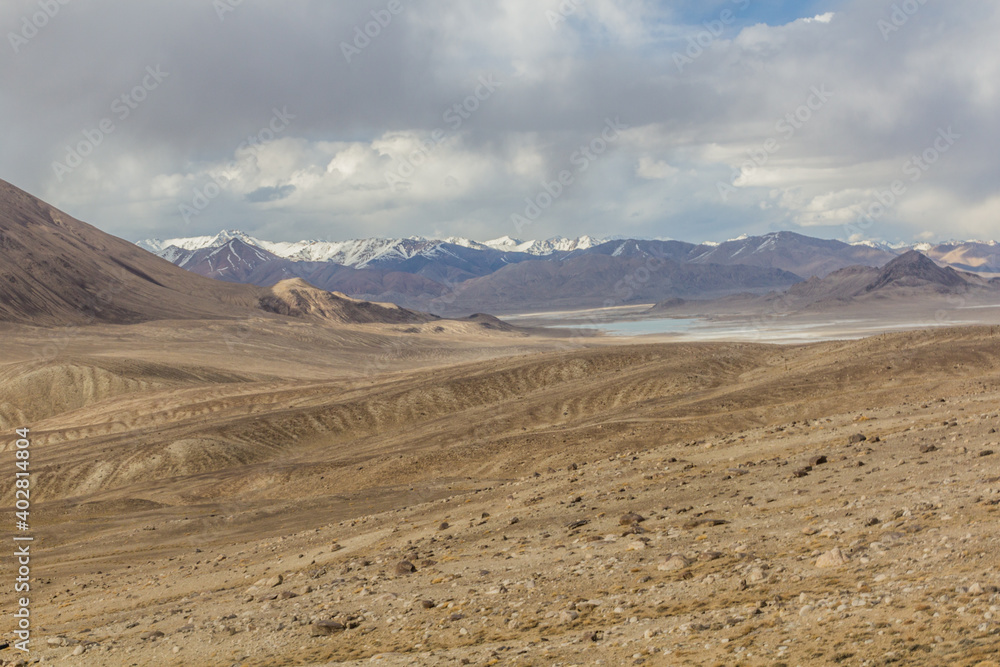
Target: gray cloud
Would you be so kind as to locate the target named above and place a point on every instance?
(272, 193)
(355, 122)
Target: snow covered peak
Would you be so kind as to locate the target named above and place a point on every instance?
(360, 252)
(546, 247)
(198, 242)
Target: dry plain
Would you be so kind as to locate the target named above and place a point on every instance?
(274, 493)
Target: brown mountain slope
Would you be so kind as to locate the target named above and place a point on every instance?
(57, 270)
(297, 298)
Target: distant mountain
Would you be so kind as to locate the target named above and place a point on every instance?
(235, 261)
(802, 255)
(540, 248)
(361, 252)
(912, 269)
(976, 256)
(593, 280)
(56, 271)
(910, 280)
(422, 273)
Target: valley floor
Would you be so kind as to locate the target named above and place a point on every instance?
(526, 502)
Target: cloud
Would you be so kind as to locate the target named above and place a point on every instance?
(404, 139)
(653, 170)
(269, 194)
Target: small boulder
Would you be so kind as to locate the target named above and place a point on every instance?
(832, 558)
(631, 518)
(675, 562)
(326, 628)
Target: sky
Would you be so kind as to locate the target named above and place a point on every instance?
(694, 119)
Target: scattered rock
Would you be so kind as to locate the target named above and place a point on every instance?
(326, 628)
(675, 562)
(568, 616)
(405, 567)
(269, 582)
(696, 523)
(832, 558)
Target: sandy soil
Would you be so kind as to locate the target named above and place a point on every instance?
(262, 494)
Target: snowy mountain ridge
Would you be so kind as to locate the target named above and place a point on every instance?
(360, 252)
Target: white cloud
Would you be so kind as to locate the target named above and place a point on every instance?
(355, 122)
(652, 170)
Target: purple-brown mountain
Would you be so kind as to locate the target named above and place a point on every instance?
(911, 278)
(458, 276)
(57, 270)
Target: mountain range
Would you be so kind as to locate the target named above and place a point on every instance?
(911, 282)
(57, 270)
(461, 276)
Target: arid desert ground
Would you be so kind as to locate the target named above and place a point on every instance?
(268, 492)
